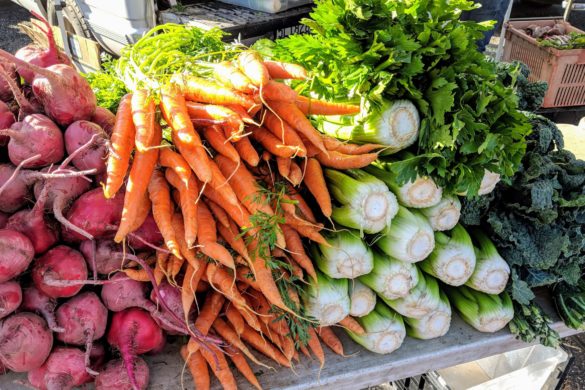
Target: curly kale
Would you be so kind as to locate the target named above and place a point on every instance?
(530, 93)
(531, 323)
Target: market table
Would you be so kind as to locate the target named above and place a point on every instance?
(360, 369)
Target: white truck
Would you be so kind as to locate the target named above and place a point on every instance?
(116, 23)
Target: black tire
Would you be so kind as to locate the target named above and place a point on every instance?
(72, 18)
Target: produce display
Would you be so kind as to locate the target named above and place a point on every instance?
(377, 176)
(556, 36)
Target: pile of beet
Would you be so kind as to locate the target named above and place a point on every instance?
(68, 316)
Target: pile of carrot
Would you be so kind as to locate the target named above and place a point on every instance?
(224, 164)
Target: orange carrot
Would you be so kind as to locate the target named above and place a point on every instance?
(225, 116)
(220, 183)
(183, 133)
(339, 160)
(244, 185)
(247, 152)
(219, 365)
(144, 207)
(242, 365)
(209, 312)
(219, 213)
(296, 174)
(276, 91)
(263, 275)
(207, 238)
(241, 111)
(143, 115)
(283, 70)
(137, 185)
(315, 182)
(330, 339)
(245, 275)
(234, 317)
(351, 324)
(176, 162)
(310, 106)
(162, 210)
(297, 251)
(284, 132)
(139, 275)
(231, 236)
(122, 144)
(230, 335)
(301, 204)
(197, 367)
(176, 265)
(187, 252)
(263, 346)
(216, 139)
(221, 280)
(191, 284)
(273, 145)
(227, 73)
(204, 91)
(161, 266)
(283, 165)
(251, 64)
(290, 113)
(188, 194)
(333, 144)
(306, 230)
(315, 345)
(239, 214)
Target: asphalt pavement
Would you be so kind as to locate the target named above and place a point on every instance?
(11, 39)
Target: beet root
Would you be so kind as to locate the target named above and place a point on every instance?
(34, 300)
(16, 253)
(108, 256)
(133, 332)
(84, 318)
(92, 138)
(35, 135)
(60, 265)
(25, 342)
(147, 236)
(3, 220)
(104, 118)
(10, 297)
(40, 230)
(64, 369)
(95, 214)
(114, 376)
(39, 56)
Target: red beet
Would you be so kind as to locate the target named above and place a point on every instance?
(39, 56)
(95, 214)
(108, 255)
(16, 253)
(10, 297)
(93, 139)
(172, 297)
(115, 376)
(3, 220)
(36, 301)
(84, 318)
(147, 233)
(40, 230)
(133, 332)
(25, 342)
(104, 118)
(56, 272)
(64, 369)
(65, 95)
(35, 135)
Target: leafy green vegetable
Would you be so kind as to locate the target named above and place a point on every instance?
(570, 303)
(417, 50)
(530, 93)
(108, 89)
(531, 323)
(168, 49)
(538, 220)
(570, 41)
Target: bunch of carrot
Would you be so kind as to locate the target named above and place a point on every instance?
(225, 192)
